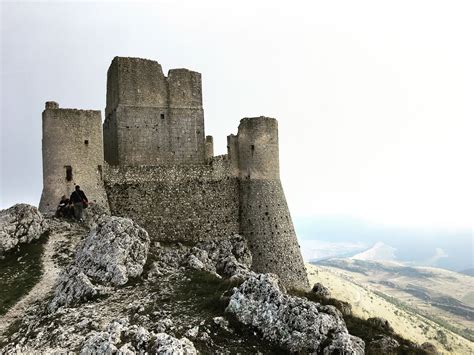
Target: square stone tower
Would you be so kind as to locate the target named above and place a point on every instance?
(152, 119)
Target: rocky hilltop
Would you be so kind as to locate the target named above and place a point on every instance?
(116, 292)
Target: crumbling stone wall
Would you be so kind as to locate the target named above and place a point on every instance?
(152, 119)
(72, 154)
(177, 203)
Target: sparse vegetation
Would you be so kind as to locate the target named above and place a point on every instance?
(19, 272)
(361, 327)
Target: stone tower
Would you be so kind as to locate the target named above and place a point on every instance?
(160, 169)
(265, 219)
(72, 154)
(152, 119)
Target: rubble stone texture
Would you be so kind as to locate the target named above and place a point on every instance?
(19, 224)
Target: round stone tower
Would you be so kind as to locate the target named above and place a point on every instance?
(264, 215)
(72, 155)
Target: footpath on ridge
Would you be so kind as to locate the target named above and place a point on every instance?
(60, 245)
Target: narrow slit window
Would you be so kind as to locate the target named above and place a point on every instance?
(86, 142)
(68, 173)
(162, 116)
(252, 147)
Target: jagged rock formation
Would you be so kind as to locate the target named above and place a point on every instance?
(298, 325)
(113, 252)
(132, 339)
(383, 345)
(19, 224)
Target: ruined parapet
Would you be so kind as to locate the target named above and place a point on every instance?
(152, 119)
(264, 215)
(72, 154)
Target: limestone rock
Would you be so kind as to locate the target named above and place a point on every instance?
(429, 348)
(344, 307)
(294, 323)
(73, 287)
(228, 257)
(115, 251)
(321, 290)
(19, 224)
(94, 215)
(381, 324)
(167, 345)
(383, 345)
(344, 343)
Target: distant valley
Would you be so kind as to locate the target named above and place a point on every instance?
(439, 302)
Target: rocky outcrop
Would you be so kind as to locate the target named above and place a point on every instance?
(19, 224)
(294, 323)
(383, 345)
(381, 324)
(166, 344)
(115, 251)
(122, 338)
(229, 257)
(95, 214)
(429, 348)
(321, 290)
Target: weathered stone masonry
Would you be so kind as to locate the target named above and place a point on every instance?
(160, 171)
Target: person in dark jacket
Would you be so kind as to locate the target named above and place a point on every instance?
(64, 208)
(79, 200)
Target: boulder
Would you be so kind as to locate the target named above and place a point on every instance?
(383, 345)
(344, 343)
(321, 290)
(294, 323)
(381, 324)
(168, 345)
(95, 214)
(429, 348)
(344, 307)
(112, 253)
(19, 224)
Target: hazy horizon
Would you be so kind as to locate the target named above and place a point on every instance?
(374, 101)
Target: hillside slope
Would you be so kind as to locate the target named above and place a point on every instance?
(378, 291)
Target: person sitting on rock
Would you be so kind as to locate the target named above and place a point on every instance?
(64, 208)
(79, 200)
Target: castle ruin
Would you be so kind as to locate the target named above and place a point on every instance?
(151, 161)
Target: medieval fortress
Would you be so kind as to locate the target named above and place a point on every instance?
(151, 161)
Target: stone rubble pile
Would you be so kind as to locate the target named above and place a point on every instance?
(19, 224)
(112, 253)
